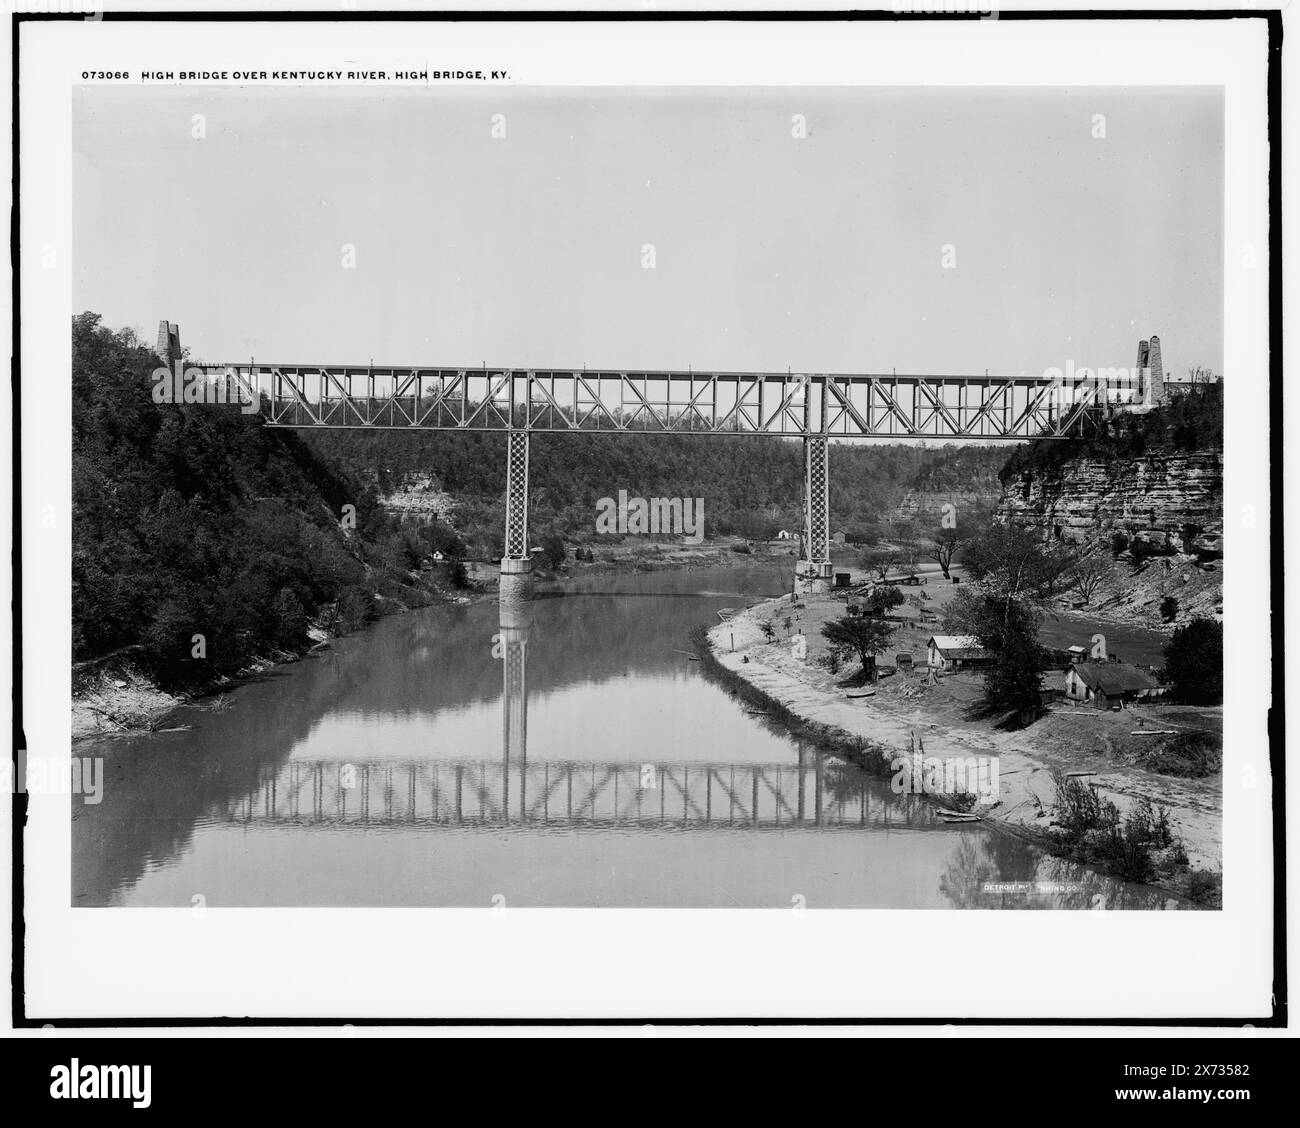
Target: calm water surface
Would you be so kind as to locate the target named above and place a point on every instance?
(558, 753)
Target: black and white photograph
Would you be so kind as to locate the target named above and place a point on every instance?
(713, 618)
(543, 468)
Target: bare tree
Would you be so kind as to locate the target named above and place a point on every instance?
(879, 563)
(943, 546)
(1087, 575)
(1199, 374)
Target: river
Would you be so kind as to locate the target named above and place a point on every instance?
(558, 753)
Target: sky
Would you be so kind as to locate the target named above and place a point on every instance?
(821, 253)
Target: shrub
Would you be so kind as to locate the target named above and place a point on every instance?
(1080, 807)
(1128, 857)
(1205, 887)
(1192, 755)
(1149, 826)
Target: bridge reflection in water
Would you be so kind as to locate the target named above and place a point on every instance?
(812, 793)
(665, 797)
(809, 795)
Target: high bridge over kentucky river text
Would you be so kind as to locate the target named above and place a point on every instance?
(813, 407)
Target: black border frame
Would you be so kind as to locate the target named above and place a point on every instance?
(1277, 715)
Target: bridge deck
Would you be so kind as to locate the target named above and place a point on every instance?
(735, 403)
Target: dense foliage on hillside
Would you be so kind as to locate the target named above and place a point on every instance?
(751, 486)
(1190, 420)
(197, 520)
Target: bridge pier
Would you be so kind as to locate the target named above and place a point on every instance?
(517, 560)
(813, 574)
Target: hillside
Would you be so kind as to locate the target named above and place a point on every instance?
(751, 486)
(200, 538)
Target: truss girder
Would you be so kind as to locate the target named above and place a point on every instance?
(881, 406)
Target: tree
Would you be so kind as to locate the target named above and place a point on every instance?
(1015, 562)
(553, 550)
(884, 599)
(864, 637)
(290, 619)
(942, 548)
(1194, 662)
(1169, 609)
(909, 553)
(1008, 629)
(879, 563)
(1088, 575)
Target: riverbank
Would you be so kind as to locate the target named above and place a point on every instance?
(638, 554)
(114, 695)
(906, 713)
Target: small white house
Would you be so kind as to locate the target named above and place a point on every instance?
(785, 534)
(955, 652)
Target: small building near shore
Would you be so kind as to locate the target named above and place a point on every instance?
(1107, 684)
(1077, 654)
(955, 652)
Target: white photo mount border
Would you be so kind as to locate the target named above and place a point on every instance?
(142, 967)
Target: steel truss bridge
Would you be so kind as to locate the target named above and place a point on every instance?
(814, 407)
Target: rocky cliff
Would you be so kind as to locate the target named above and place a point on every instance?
(1170, 501)
(420, 495)
(1152, 498)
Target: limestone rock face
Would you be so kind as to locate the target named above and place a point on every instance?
(420, 495)
(1148, 498)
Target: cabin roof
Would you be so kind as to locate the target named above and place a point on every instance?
(1113, 677)
(958, 646)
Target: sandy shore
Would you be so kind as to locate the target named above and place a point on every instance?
(1070, 738)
